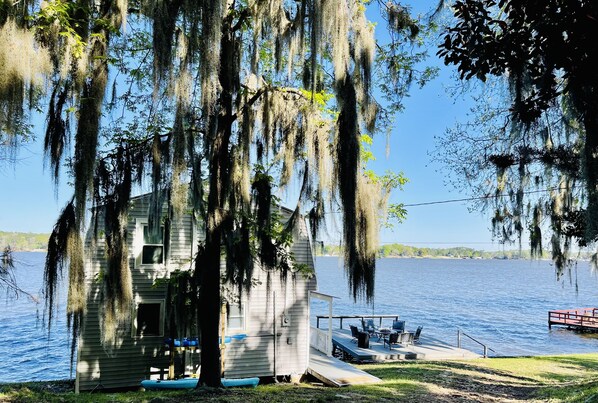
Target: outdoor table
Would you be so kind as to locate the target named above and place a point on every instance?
(383, 333)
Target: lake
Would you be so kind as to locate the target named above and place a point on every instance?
(28, 352)
(503, 303)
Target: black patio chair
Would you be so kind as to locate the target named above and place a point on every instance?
(398, 326)
(417, 334)
(368, 326)
(354, 333)
(392, 338)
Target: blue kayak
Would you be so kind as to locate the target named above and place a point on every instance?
(190, 383)
(185, 383)
(238, 382)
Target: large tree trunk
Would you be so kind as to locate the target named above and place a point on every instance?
(219, 180)
(591, 171)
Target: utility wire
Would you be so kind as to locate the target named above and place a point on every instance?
(476, 198)
(466, 199)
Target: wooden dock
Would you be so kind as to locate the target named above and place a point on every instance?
(428, 349)
(578, 319)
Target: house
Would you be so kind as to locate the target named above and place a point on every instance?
(274, 317)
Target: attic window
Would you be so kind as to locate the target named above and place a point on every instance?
(152, 251)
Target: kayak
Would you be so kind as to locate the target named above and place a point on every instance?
(185, 383)
(190, 383)
(194, 341)
(238, 382)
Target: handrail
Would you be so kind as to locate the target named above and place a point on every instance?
(486, 348)
(342, 317)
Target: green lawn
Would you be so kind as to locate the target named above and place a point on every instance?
(567, 378)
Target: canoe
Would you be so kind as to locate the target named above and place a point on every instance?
(190, 383)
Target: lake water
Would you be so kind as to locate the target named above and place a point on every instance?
(27, 352)
(503, 303)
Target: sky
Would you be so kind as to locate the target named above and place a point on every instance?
(29, 201)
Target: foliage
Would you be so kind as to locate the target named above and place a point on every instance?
(24, 65)
(8, 283)
(238, 99)
(459, 252)
(539, 125)
(19, 241)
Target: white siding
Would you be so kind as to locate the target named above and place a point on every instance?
(133, 358)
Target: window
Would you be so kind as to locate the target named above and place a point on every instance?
(236, 317)
(149, 319)
(152, 251)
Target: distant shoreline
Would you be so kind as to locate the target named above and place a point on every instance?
(542, 259)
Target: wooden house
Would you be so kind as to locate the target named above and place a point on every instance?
(274, 317)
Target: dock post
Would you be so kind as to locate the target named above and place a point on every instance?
(485, 351)
(458, 338)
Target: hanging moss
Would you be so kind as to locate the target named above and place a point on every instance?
(64, 247)
(56, 129)
(24, 67)
(262, 189)
(117, 290)
(223, 104)
(165, 14)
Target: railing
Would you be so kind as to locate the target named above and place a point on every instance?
(582, 317)
(486, 348)
(361, 317)
(320, 341)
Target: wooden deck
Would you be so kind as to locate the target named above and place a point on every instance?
(428, 349)
(579, 318)
(335, 372)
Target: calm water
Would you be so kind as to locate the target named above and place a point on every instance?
(502, 303)
(27, 352)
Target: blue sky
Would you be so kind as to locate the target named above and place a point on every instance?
(29, 201)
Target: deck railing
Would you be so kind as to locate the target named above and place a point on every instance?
(320, 341)
(580, 317)
(353, 317)
(460, 334)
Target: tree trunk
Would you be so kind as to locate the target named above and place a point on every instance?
(219, 180)
(591, 172)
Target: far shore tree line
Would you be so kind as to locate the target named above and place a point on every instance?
(397, 250)
(27, 242)
(19, 241)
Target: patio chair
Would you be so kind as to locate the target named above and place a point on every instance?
(368, 326)
(392, 338)
(398, 326)
(354, 333)
(417, 334)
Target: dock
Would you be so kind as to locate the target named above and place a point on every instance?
(427, 349)
(584, 319)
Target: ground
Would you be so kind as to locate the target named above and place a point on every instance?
(567, 378)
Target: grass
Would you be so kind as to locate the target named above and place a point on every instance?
(567, 378)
